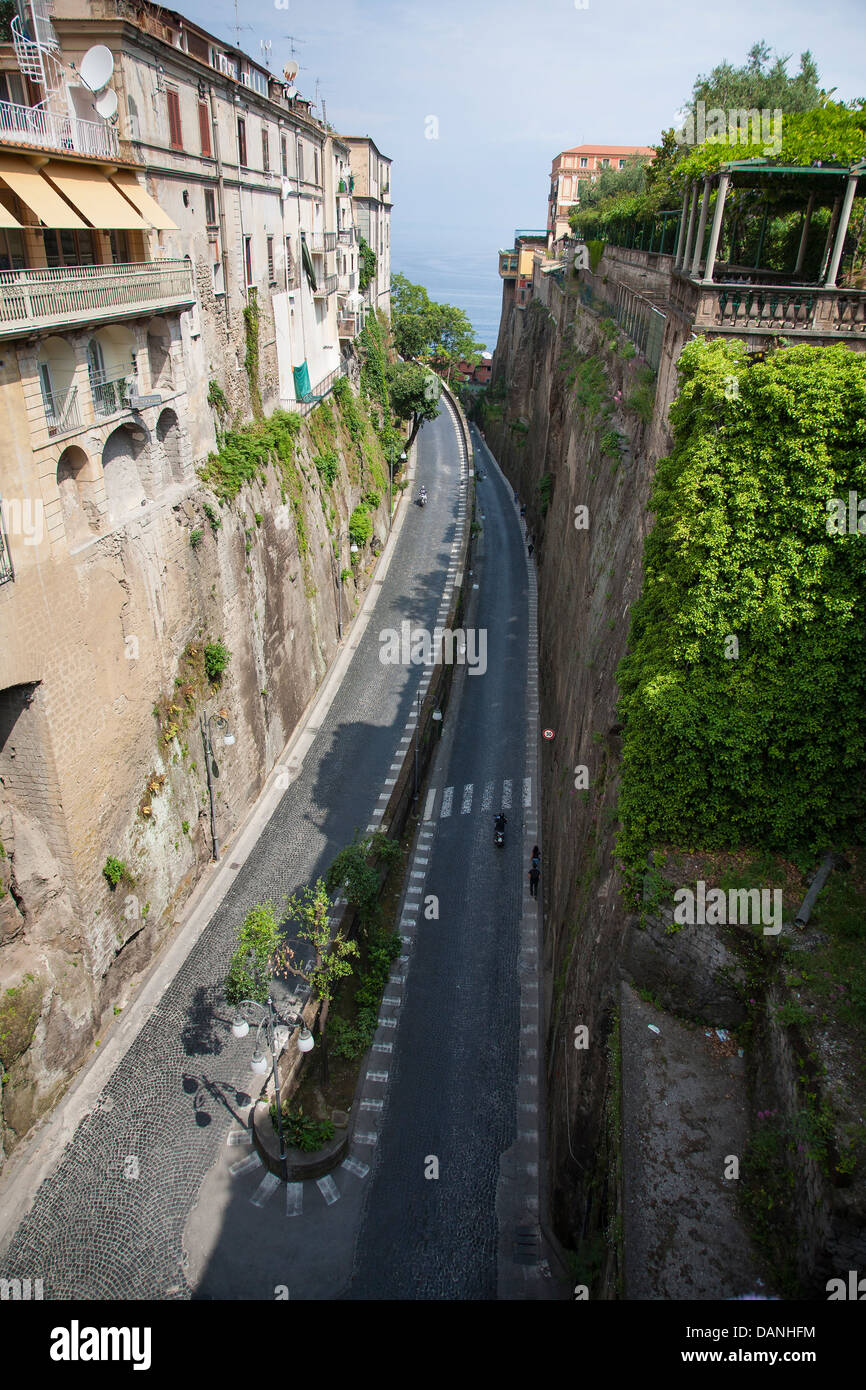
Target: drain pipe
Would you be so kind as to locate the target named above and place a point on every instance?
(815, 887)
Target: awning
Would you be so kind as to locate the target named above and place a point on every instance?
(40, 197)
(6, 218)
(125, 180)
(96, 198)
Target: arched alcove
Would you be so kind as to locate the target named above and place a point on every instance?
(124, 463)
(81, 519)
(56, 369)
(168, 436)
(110, 366)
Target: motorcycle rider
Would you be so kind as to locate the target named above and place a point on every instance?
(500, 823)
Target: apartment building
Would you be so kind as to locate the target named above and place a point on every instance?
(371, 190)
(582, 164)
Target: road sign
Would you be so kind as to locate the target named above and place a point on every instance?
(142, 402)
(548, 733)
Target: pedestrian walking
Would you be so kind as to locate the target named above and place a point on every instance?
(516, 499)
(534, 876)
(535, 859)
(523, 511)
(530, 547)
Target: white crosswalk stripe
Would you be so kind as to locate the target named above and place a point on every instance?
(506, 794)
(527, 791)
(294, 1198)
(264, 1189)
(487, 798)
(447, 798)
(466, 803)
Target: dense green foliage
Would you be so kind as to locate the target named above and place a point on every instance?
(113, 871)
(414, 393)
(350, 1039)
(216, 658)
(367, 264)
(438, 333)
(301, 1131)
(251, 355)
(764, 744)
(355, 872)
(250, 971)
(244, 453)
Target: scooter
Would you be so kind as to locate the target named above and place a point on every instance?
(422, 500)
(499, 831)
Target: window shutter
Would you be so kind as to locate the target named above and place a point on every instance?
(174, 133)
(204, 128)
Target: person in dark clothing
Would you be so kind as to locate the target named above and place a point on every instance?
(530, 548)
(534, 876)
(535, 860)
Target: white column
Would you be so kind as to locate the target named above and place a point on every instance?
(804, 235)
(687, 250)
(833, 268)
(678, 259)
(829, 242)
(713, 247)
(702, 227)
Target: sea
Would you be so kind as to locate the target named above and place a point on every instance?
(469, 279)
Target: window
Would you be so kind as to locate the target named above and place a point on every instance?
(242, 141)
(271, 276)
(175, 135)
(583, 161)
(204, 128)
(210, 216)
(216, 267)
(316, 165)
(605, 164)
(12, 88)
(248, 258)
(290, 265)
(300, 162)
(133, 118)
(284, 157)
(65, 247)
(266, 152)
(622, 164)
(11, 250)
(119, 247)
(260, 82)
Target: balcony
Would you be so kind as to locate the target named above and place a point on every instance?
(507, 265)
(348, 237)
(348, 326)
(326, 287)
(322, 241)
(110, 394)
(70, 295)
(33, 125)
(796, 311)
(347, 282)
(62, 412)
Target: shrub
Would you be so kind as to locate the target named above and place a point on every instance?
(195, 537)
(360, 526)
(371, 500)
(113, 871)
(328, 467)
(213, 516)
(216, 659)
(301, 1131)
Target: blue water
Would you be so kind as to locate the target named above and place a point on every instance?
(468, 279)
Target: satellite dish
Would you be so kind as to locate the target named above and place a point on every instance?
(290, 72)
(106, 104)
(290, 92)
(96, 68)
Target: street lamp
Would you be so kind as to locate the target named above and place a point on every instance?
(437, 719)
(277, 1037)
(417, 739)
(339, 581)
(222, 722)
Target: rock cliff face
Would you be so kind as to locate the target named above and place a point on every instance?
(101, 751)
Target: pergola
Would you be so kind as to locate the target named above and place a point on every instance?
(787, 187)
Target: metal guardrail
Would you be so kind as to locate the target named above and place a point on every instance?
(638, 318)
(325, 287)
(62, 413)
(322, 389)
(7, 572)
(110, 394)
(322, 241)
(50, 298)
(34, 125)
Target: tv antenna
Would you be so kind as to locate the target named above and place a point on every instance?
(266, 45)
(293, 40)
(239, 27)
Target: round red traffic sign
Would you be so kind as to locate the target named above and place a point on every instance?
(548, 733)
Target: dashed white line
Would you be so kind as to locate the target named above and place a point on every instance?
(328, 1189)
(506, 794)
(527, 791)
(447, 799)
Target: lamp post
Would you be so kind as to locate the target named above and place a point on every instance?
(222, 722)
(278, 1030)
(417, 738)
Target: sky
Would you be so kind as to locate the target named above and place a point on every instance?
(510, 83)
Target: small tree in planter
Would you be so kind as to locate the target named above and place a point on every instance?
(311, 907)
(249, 974)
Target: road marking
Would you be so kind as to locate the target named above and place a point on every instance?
(244, 1165)
(328, 1189)
(466, 804)
(527, 791)
(371, 1105)
(386, 999)
(447, 798)
(294, 1198)
(378, 1075)
(354, 1165)
(366, 1138)
(487, 798)
(383, 1023)
(506, 794)
(264, 1189)
(383, 1047)
(244, 1137)
(417, 873)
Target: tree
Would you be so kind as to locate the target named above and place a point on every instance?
(454, 338)
(368, 263)
(354, 872)
(631, 179)
(311, 908)
(414, 395)
(424, 328)
(251, 967)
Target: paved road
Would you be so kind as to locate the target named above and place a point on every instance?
(109, 1221)
(452, 1092)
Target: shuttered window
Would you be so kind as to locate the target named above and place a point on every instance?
(271, 276)
(204, 128)
(175, 138)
